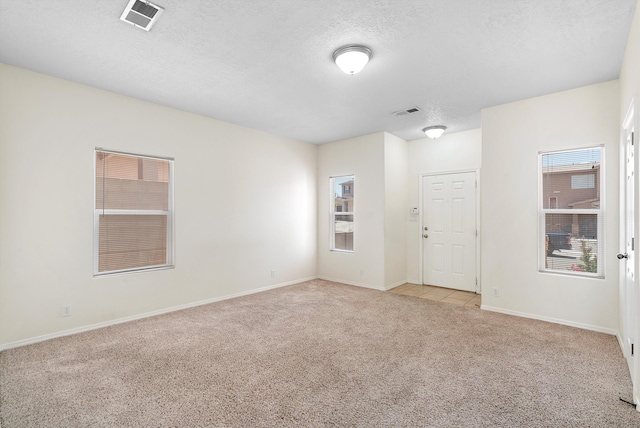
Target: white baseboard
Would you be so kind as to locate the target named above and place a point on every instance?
(357, 284)
(553, 320)
(394, 285)
(620, 342)
(96, 326)
(360, 284)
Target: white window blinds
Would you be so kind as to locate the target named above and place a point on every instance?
(133, 216)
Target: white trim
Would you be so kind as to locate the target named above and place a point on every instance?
(97, 326)
(620, 343)
(421, 176)
(170, 215)
(96, 219)
(333, 213)
(394, 285)
(357, 284)
(132, 271)
(631, 120)
(626, 123)
(120, 152)
(600, 214)
(570, 211)
(583, 326)
(132, 212)
(478, 236)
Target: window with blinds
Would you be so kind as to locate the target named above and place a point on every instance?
(571, 212)
(342, 192)
(133, 214)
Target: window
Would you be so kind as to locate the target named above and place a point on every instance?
(133, 213)
(584, 181)
(571, 212)
(342, 213)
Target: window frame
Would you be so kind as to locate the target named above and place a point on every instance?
(170, 214)
(600, 213)
(333, 213)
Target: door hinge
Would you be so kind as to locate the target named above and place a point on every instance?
(632, 350)
(633, 244)
(632, 135)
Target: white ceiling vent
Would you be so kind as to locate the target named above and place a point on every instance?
(406, 112)
(142, 14)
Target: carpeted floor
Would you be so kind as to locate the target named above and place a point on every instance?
(320, 354)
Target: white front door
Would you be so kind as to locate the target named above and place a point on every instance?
(627, 282)
(449, 230)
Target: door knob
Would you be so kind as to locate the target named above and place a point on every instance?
(622, 256)
(425, 236)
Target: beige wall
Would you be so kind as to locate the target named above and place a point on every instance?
(245, 216)
(630, 71)
(512, 136)
(396, 159)
(458, 151)
(379, 163)
(364, 158)
(234, 217)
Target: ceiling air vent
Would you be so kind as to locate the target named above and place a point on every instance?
(142, 14)
(406, 112)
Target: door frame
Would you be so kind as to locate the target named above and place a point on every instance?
(631, 119)
(422, 214)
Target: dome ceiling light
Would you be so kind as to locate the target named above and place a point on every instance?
(352, 58)
(434, 132)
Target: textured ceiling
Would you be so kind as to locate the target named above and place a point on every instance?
(268, 65)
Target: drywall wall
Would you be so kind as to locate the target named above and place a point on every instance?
(363, 157)
(512, 136)
(630, 71)
(460, 151)
(245, 204)
(396, 159)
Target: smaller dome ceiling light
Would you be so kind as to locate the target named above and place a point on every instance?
(352, 58)
(434, 131)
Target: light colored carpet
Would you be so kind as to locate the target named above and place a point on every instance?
(320, 354)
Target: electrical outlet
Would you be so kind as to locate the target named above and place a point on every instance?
(495, 292)
(66, 310)
(273, 274)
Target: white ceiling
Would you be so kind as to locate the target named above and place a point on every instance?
(267, 64)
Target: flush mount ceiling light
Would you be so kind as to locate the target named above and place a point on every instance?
(434, 131)
(352, 58)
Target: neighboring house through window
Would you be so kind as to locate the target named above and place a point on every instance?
(571, 212)
(133, 213)
(342, 192)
